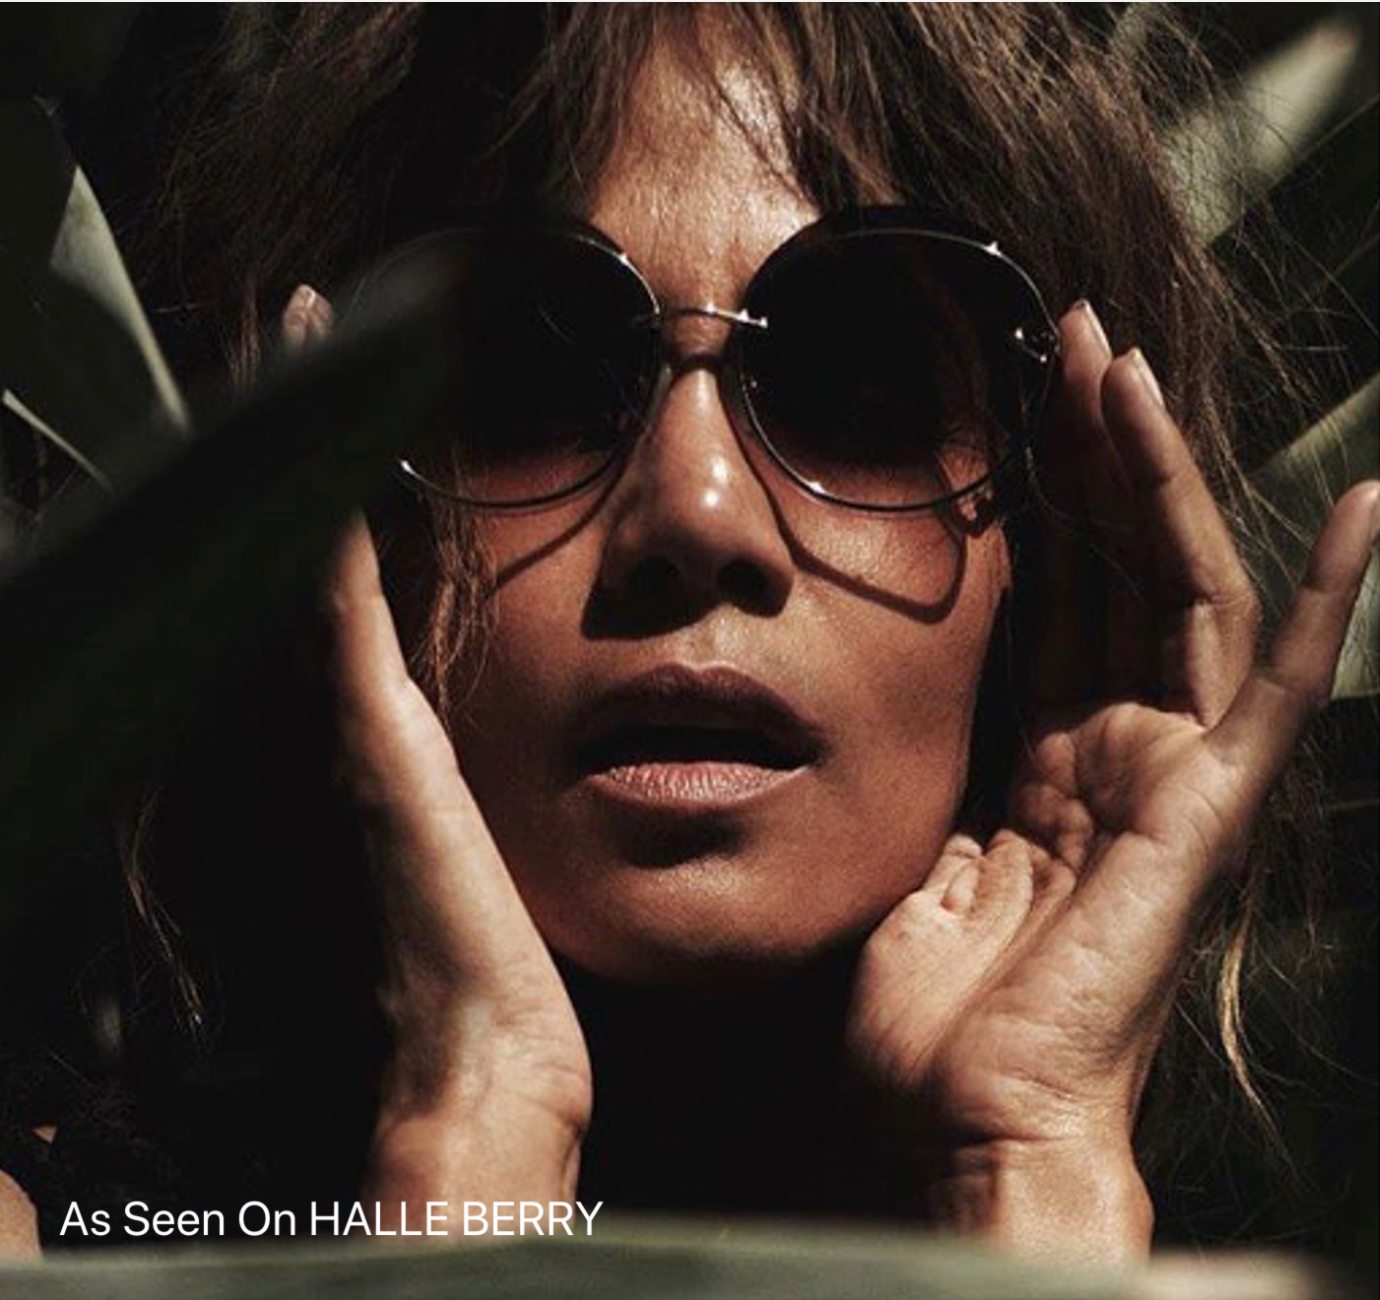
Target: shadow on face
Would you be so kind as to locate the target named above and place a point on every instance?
(701, 832)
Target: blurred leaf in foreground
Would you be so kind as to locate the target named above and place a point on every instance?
(46, 49)
(131, 608)
(79, 363)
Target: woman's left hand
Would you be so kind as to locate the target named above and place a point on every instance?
(1008, 1010)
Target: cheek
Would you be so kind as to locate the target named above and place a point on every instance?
(916, 568)
(533, 637)
(521, 675)
(916, 662)
(914, 602)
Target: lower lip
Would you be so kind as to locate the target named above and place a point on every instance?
(690, 787)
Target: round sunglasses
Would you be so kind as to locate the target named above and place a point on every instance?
(882, 359)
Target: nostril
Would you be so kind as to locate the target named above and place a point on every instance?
(746, 585)
(648, 598)
(651, 581)
(661, 589)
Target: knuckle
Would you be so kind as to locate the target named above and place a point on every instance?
(336, 606)
(911, 922)
(916, 907)
(1054, 879)
(1244, 604)
(1230, 596)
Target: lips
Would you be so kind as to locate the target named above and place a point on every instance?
(681, 735)
(652, 743)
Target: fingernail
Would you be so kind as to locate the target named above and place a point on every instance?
(320, 318)
(1147, 376)
(296, 321)
(1095, 324)
(307, 318)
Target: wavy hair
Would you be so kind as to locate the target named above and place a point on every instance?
(316, 146)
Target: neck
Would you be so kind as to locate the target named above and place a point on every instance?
(723, 1101)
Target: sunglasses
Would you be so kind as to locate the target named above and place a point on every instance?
(880, 359)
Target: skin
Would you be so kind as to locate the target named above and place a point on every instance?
(693, 557)
(1006, 1005)
(1003, 999)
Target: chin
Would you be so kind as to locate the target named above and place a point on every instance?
(704, 926)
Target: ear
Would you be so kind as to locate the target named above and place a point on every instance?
(306, 319)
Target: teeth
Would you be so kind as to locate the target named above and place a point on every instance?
(668, 744)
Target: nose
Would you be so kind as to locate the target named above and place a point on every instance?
(692, 526)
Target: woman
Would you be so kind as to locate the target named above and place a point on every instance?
(714, 862)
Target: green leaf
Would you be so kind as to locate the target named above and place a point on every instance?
(78, 354)
(1324, 208)
(135, 603)
(1228, 154)
(627, 1257)
(1321, 283)
(1298, 486)
(46, 49)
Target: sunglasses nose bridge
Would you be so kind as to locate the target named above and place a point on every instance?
(691, 338)
(708, 311)
(688, 338)
(698, 335)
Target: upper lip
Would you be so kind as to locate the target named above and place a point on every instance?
(708, 699)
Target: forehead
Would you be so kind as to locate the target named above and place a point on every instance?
(697, 189)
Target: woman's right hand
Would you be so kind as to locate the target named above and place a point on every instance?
(487, 1092)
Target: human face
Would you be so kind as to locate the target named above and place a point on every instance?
(657, 854)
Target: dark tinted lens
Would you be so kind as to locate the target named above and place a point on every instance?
(888, 373)
(551, 366)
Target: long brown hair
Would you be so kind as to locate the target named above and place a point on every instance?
(317, 146)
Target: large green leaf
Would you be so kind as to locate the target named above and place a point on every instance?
(78, 360)
(641, 1257)
(46, 49)
(1342, 173)
(1283, 178)
(135, 602)
(645, 1257)
(1229, 153)
(1311, 265)
(1302, 480)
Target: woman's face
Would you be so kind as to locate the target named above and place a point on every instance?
(678, 827)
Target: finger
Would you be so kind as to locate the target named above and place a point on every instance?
(363, 650)
(995, 890)
(376, 699)
(956, 854)
(447, 895)
(1053, 884)
(1067, 653)
(1205, 605)
(320, 318)
(1152, 882)
(1102, 479)
(367, 660)
(1113, 511)
(395, 756)
(1279, 697)
(307, 318)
